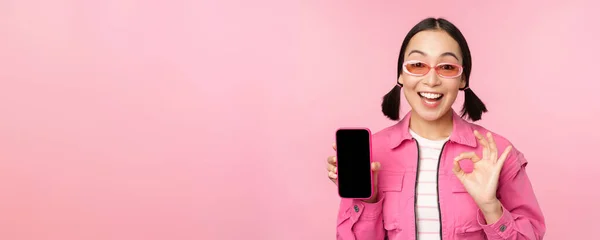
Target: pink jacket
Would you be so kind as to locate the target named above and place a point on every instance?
(393, 216)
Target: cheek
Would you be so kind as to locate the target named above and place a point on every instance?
(453, 83)
(451, 96)
(453, 86)
(409, 92)
(411, 96)
(410, 84)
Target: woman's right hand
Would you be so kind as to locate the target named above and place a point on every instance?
(332, 170)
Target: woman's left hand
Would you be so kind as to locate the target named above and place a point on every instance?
(482, 183)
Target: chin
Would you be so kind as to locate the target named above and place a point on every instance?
(431, 115)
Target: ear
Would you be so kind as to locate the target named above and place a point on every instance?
(401, 80)
(463, 82)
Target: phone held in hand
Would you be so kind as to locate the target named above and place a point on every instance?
(353, 154)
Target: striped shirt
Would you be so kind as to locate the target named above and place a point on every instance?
(427, 211)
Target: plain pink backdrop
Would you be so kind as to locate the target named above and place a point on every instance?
(190, 119)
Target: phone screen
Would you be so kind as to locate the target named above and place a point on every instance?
(354, 163)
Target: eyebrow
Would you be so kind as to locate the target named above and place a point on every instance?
(443, 54)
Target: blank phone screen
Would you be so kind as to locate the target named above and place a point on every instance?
(353, 163)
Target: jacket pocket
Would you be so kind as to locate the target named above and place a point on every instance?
(390, 181)
(462, 202)
(393, 230)
(391, 185)
(464, 212)
(473, 232)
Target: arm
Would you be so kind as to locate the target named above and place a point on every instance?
(518, 215)
(358, 220)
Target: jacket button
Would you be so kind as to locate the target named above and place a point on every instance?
(356, 208)
(502, 228)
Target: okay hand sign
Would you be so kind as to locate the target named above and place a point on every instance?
(482, 183)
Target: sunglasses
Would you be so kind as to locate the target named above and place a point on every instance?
(419, 69)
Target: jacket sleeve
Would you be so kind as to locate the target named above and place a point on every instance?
(358, 220)
(522, 217)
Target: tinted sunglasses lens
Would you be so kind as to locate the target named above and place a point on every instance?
(417, 68)
(448, 70)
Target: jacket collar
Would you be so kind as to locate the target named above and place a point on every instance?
(462, 132)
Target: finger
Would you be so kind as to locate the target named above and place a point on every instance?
(332, 160)
(458, 171)
(481, 139)
(334, 146)
(332, 177)
(375, 168)
(484, 143)
(331, 168)
(503, 157)
(468, 155)
(493, 147)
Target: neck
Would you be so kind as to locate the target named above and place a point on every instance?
(433, 130)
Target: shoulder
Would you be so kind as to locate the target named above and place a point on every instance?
(383, 134)
(381, 139)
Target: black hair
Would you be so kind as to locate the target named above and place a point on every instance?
(473, 107)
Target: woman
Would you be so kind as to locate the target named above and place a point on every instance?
(438, 176)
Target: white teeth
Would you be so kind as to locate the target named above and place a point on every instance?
(430, 95)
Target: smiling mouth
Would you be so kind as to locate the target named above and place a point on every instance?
(431, 96)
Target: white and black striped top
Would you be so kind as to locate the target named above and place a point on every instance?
(427, 211)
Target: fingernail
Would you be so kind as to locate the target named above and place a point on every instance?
(335, 169)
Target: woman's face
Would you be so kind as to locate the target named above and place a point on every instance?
(431, 96)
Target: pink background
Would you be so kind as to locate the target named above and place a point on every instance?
(213, 119)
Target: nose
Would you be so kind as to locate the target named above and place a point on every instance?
(432, 79)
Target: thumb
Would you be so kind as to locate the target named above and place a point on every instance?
(375, 166)
(458, 170)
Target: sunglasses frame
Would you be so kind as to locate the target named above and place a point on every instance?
(460, 69)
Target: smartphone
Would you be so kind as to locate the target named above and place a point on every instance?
(354, 163)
